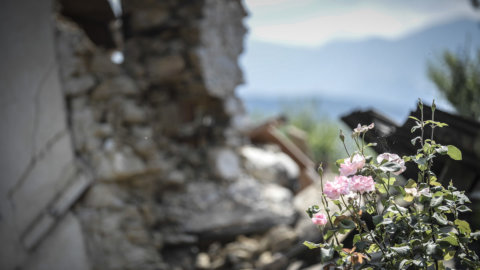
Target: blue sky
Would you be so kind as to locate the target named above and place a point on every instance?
(305, 27)
(312, 23)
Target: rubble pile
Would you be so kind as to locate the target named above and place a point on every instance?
(176, 184)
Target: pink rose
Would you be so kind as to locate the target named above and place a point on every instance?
(392, 158)
(340, 186)
(362, 184)
(319, 219)
(351, 165)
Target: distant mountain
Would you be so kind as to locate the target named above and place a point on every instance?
(386, 74)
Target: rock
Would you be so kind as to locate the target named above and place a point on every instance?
(269, 261)
(281, 238)
(146, 19)
(119, 85)
(245, 206)
(83, 124)
(174, 179)
(78, 85)
(118, 164)
(225, 163)
(269, 166)
(202, 261)
(297, 265)
(101, 63)
(166, 68)
(132, 113)
(242, 250)
(103, 196)
(176, 239)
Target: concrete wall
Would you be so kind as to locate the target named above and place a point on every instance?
(39, 180)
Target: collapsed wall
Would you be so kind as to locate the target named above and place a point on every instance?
(132, 165)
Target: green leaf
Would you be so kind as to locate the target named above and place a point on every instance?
(390, 167)
(380, 188)
(463, 226)
(326, 253)
(377, 219)
(401, 250)
(411, 183)
(328, 234)
(433, 249)
(454, 152)
(442, 150)
(414, 118)
(408, 197)
(443, 208)
(475, 235)
(463, 208)
(440, 219)
(373, 248)
(450, 239)
(414, 140)
(449, 255)
(356, 238)
(436, 201)
(390, 181)
(339, 161)
(347, 224)
(312, 245)
(404, 264)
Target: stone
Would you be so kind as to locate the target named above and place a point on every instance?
(281, 238)
(133, 113)
(103, 196)
(78, 85)
(269, 261)
(118, 164)
(220, 34)
(119, 85)
(101, 64)
(174, 179)
(147, 19)
(225, 163)
(269, 166)
(166, 68)
(83, 124)
(176, 239)
(244, 206)
(203, 261)
(103, 131)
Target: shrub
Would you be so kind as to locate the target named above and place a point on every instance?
(413, 226)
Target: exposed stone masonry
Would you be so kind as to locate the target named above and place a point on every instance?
(160, 133)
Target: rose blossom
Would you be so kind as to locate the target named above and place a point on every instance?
(319, 219)
(392, 158)
(351, 165)
(340, 186)
(362, 184)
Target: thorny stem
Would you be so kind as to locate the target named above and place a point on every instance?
(325, 205)
(364, 227)
(345, 147)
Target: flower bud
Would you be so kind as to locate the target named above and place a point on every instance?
(342, 137)
(320, 169)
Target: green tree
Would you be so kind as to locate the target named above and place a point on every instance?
(457, 76)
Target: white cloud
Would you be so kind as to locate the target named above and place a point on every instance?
(315, 22)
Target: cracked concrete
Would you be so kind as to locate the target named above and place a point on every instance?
(37, 158)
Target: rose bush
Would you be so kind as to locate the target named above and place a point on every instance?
(414, 225)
